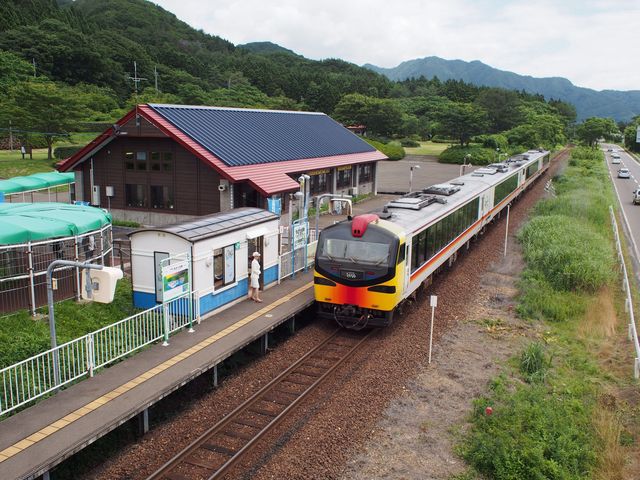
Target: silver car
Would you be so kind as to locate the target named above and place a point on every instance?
(624, 173)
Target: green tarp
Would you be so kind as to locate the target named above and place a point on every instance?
(37, 181)
(23, 222)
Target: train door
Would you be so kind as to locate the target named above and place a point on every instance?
(256, 245)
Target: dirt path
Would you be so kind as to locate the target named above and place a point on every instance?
(415, 439)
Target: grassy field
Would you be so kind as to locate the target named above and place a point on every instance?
(12, 164)
(561, 408)
(427, 148)
(22, 336)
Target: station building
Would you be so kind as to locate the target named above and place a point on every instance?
(162, 164)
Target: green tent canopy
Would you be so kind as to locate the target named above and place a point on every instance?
(23, 222)
(37, 181)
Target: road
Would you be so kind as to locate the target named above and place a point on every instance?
(624, 188)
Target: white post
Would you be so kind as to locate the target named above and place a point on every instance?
(434, 304)
(506, 231)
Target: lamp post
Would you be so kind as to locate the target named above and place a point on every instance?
(464, 165)
(411, 176)
(497, 154)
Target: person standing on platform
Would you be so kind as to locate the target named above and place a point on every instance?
(254, 278)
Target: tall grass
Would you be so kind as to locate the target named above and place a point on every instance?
(567, 244)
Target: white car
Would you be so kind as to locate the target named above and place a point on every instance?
(615, 160)
(624, 173)
(636, 196)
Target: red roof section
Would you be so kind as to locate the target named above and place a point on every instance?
(267, 178)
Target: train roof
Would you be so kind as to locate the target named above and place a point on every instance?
(415, 210)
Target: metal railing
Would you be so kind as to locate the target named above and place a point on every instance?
(626, 287)
(34, 377)
(292, 262)
(23, 268)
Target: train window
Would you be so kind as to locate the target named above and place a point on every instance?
(401, 253)
(421, 247)
(414, 253)
(430, 242)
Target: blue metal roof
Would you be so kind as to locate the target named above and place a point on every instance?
(248, 137)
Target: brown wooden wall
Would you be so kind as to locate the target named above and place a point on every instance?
(195, 185)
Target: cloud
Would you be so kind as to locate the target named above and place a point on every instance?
(590, 42)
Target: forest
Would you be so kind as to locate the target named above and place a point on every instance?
(68, 66)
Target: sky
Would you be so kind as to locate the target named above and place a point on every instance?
(593, 43)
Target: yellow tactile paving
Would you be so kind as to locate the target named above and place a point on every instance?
(90, 407)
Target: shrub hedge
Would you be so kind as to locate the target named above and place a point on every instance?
(393, 150)
(479, 155)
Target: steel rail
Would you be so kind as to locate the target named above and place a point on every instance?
(206, 441)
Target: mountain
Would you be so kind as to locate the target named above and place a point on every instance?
(620, 105)
(266, 48)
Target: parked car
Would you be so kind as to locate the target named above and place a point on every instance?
(624, 173)
(636, 196)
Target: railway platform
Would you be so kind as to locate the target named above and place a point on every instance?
(35, 440)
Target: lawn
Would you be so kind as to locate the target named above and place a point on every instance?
(12, 164)
(427, 148)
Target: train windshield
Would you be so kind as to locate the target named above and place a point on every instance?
(356, 251)
(357, 261)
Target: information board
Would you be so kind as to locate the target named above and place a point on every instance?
(175, 280)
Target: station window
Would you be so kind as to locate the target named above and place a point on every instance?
(167, 161)
(141, 160)
(344, 178)
(128, 161)
(161, 197)
(320, 183)
(366, 173)
(224, 266)
(154, 161)
(135, 195)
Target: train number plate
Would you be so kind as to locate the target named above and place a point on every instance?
(352, 274)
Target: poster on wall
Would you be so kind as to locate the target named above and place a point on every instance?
(175, 280)
(229, 264)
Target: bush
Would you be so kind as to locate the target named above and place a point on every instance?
(539, 301)
(479, 155)
(532, 434)
(66, 152)
(569, 253)
(437, 139)
(533, 363)
(494, 141)
(408, 142)
(393, 150)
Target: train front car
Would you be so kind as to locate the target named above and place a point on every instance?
(359, 272)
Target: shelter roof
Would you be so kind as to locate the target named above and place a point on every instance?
(37, 181)
(208, 226)
(24, 222)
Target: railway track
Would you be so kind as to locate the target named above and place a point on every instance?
(224, 444)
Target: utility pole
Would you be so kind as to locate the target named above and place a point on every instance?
(10, 137)
(155, 74)
(33, 60)
(136, 80)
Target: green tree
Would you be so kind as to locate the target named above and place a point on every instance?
(462, 121)
(381, 117)
(630, 133)
(42, 107)
(594, 128)
(502, 108)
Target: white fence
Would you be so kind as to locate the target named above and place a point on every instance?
(626, 286)
(294, 261)
(46, 372)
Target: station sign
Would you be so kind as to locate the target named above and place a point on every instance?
(175, 280)
(300, 234)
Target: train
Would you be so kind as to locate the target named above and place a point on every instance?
(367, 266)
